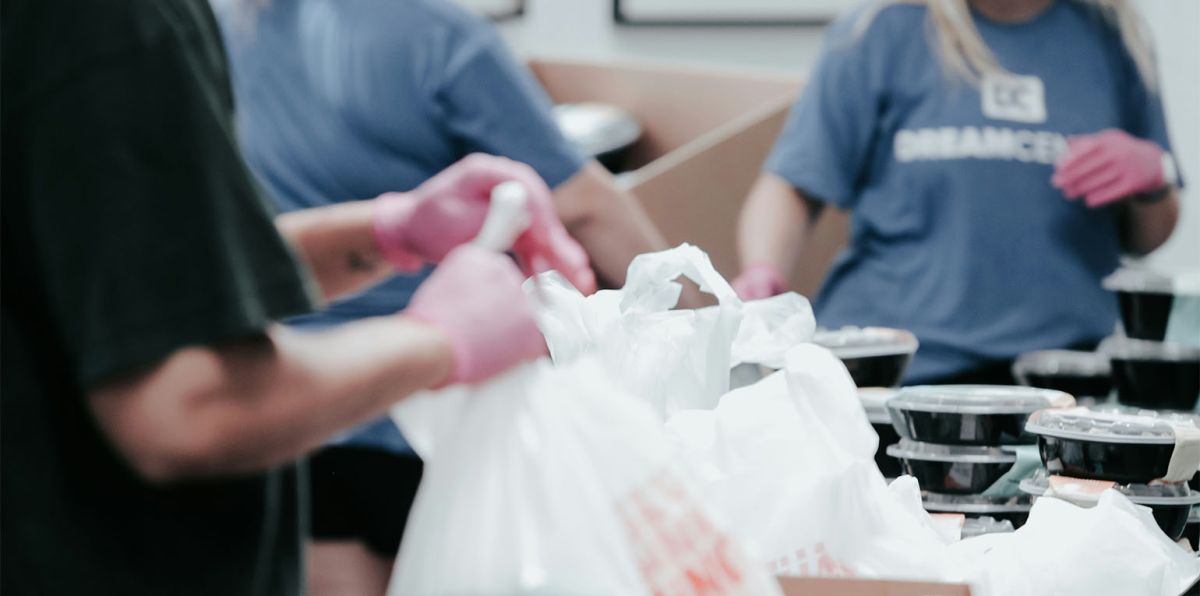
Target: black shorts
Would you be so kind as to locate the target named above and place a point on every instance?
(362, 493)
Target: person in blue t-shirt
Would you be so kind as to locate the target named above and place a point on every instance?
(996, 159)
(352, 98)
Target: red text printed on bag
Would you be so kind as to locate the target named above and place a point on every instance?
(956, 518)
(679, 551)
(1078, 489)
(811, 561)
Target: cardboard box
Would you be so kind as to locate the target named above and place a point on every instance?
(837, 586)
(706, 135)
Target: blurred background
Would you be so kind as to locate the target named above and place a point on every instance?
(786, 38)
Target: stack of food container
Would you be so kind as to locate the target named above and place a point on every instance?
(1146, 455)
(1087, 376)
(967, 447)
(876, 358)
(1156, 361)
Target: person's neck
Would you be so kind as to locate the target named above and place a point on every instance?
(1011, 11)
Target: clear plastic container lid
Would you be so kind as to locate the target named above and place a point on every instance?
(866, 342)
(1125, 348)
(874, 401)
(979, 526)
(976, 504)
(978, 399)
(1108, 425)
(1064, 362)
(909, 449)
(597, 128)
(1086, 492)
(1140, 279)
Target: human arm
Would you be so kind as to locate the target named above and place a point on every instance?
(1114, 167)
(336, 244)
(351, 245)
(607, 221)
(775, 221)
(1147, 225)
(244, 405)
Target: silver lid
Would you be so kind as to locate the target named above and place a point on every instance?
(865, 342)
(976, 503)
(915, 450)
(1142, 280)
(979, 526)
(1063, 362)
(874, 401)
(978, 399)
(1126, 348)
(597, 128)
(1108, 425)
(1174, 493)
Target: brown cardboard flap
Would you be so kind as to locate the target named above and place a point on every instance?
(697, 197)
(837, 586)
(706, 136)
(674, 105)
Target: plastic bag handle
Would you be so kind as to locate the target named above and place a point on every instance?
(650, 285)
(507, 217)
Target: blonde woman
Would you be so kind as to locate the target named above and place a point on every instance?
(997, 157)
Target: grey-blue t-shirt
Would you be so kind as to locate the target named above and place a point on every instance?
(347, 99)
(956, 231)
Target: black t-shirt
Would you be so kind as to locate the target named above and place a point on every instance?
(130, 229)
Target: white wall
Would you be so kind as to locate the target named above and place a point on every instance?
(584, 29)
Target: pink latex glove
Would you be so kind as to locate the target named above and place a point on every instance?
(758, 281)
(1108, 166)
(423, 225)
(475, 298)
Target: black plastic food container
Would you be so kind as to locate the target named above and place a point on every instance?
(988, 415)
(1117, 444)
(874, 400)
(874, 356)
(1080, 374)
(1013, 509)
(952, 469)
(1191, 531)
(1145, 299)
(1155, 375)
(1171, 504)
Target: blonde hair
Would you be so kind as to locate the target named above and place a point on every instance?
(964, 53)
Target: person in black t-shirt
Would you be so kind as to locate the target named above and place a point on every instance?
(152, 410)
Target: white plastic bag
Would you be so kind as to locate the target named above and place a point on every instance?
(770, 327)
(554, 481)
(673, 359)
(1065, 550)
(789, 463)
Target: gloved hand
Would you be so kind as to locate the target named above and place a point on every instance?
(1108, 166)
(423, 225)
(758, 281)
(475, 298)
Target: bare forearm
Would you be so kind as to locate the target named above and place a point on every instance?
(773, 225)
(1149, 225)
(249, 406)
(608, 222)
(336, 243)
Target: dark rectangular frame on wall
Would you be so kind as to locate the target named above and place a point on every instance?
(621, 17)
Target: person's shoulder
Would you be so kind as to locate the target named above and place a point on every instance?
(47, 42)
(879, 23)
(414, 21)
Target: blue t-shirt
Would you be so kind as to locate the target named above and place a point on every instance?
(346, 99)
(956, 231)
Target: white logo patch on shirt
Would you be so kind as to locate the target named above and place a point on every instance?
(1015, 98)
